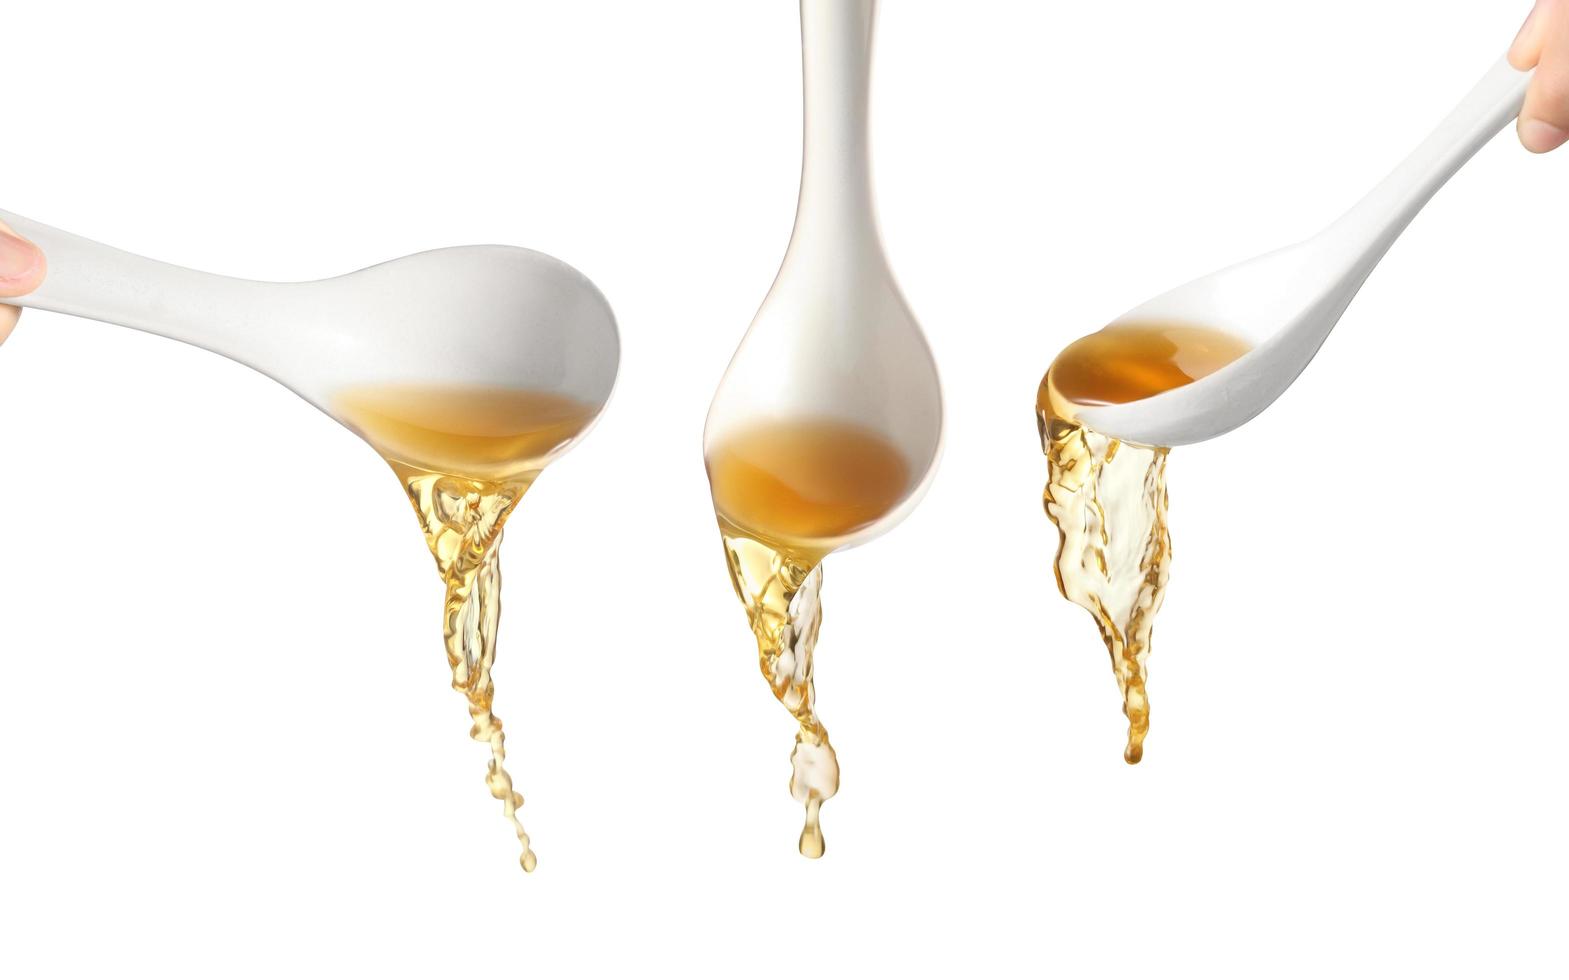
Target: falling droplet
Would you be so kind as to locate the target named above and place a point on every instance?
(812, 844)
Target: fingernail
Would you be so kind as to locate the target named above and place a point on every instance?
(18, 258)
(1540, 137)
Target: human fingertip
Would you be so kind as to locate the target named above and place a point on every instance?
(1523, 54)
(1541, 136)
(21, 265)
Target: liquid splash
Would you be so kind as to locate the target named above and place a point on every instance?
(463, 520)
(1108, 500)
(1107, 497)
(781, 594)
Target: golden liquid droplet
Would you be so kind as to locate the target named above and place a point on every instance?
(1108, 498)
(466, 456)
(811, 844)
(785, 493)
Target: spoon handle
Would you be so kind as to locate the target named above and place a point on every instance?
(95, 281)
(836, 188)
(1372, 226)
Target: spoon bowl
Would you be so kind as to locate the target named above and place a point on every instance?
(1285, 303)
(478, 316)
(837, 343)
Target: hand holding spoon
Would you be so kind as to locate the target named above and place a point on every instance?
(479, 316)
(1284, 304)
(1198, 362)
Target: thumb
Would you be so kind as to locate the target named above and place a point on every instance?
(21, 270)
(1526, 51)
(1544, 45)
(21, 264)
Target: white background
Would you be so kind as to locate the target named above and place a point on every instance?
(229, 747)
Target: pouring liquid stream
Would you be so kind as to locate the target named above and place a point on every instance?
(1108, 497)
(465, 457)
(784, 493)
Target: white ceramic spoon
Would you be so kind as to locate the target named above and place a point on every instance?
(490, 315)
(1285, 303)
(834, 338)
